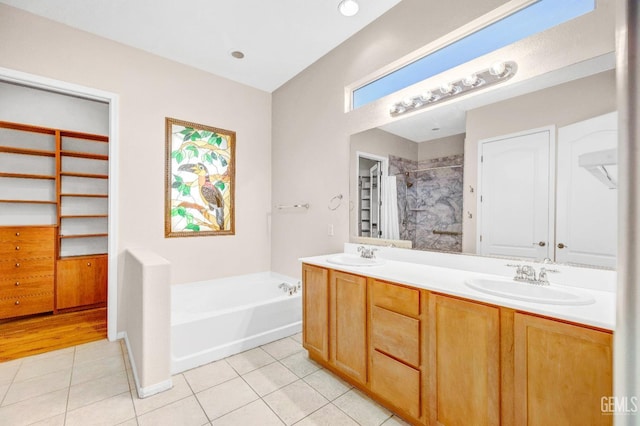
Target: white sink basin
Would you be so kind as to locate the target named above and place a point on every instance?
(353, 260)
(529, 292)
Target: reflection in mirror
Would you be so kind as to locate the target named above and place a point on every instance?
(435, 158)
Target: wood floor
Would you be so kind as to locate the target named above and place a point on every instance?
(44, 333)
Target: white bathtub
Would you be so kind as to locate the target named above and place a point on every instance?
(213, 319)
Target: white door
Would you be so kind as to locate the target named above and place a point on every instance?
(587, 206)
(515, 209)
(374, 174)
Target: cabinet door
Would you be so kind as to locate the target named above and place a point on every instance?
(561, 372)
(348, 321)
(315, 312)
(464, 338)
(81, 281)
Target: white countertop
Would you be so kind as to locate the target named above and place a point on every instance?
(444, 280)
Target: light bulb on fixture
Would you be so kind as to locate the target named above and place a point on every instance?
(449, 89)
(348, 7)
(472, 80)
(498, 69)
(427, 96)
(408, 101)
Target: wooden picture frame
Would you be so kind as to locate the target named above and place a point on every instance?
(199, 180)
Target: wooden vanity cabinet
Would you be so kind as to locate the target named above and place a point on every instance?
(465, 362)
(348, 324)
(397, 352)
(561, 372)
(315, 311)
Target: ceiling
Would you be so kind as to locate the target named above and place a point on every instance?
(279, 38)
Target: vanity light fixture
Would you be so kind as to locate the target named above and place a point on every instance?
(348, 7)
(499, 72)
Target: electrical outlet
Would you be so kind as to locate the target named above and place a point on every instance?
(330, 230)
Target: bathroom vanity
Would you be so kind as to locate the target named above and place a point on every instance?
(438, 352)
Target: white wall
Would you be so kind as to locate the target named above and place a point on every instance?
(442, 147)
(152, 88)
(320, 129)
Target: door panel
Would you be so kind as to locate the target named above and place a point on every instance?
(515, 208)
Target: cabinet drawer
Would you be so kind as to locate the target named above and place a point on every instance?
(27, 305)
(17, 267)
(19, 234)
(396, 335)
(25, 286)
(396, 298)
(396, 382)
(27, 248)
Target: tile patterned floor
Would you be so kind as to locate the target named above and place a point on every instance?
(92, 384)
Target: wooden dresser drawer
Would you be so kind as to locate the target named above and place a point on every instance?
(17, 267)
(27, 305)
(396, 382)
(396, 335)
(81, 281)
(396, 298)
(27, 248)
(20, 234)
(25, 286)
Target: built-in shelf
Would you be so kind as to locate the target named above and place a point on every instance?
(86, 195)
(84, 235)
(25, 151)
(28, 201)
(84, 155)
(84, 216)
(26, 176)
(84, 175)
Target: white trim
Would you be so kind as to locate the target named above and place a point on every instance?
(149, 390)
(551, 129)
(477, 24)
(64, 87)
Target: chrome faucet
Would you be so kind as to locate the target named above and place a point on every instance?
(290, 288)
(367, 253)
(527, 274)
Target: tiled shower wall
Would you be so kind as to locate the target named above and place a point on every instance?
(430, 200)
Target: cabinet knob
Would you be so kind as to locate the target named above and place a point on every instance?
(561, 246)
(88, 263)
(17, 265)
(17, 283)
(17, 302)
(17, 247)
(17, 234)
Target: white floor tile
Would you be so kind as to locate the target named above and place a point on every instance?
(226, 397)
(282, 348)
(8, 370)
(97, 350)
(329, 415)
(35, 409)
(295, 401)
(209, 375)
(39, 366)
(327, 384)
(3, 391)
(250, 360)
(297, 337)
(186, 412)
(130, 422)
(362, 409)
(395, 421)
(96, 390)
(180, 390)
(300, 364)
(91, 370)
(256, 413)
(110, 411)
(269, 378)
(37, 386)
(51, 421)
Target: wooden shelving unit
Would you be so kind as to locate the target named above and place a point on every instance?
(66, 172)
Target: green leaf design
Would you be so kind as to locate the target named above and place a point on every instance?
(207, 158)
(195, 136)
(193, 227)
(214, 155)
(193, 150)
(179, 157)
(174, 153)
(178, 178)
(187, 136)
(176, 185)
(186, 130)
(181, 211)
(205, 134)
(220, 185)
(174, 211)
(185, 189)
(223, 162)
(212, 139)
(218, 140)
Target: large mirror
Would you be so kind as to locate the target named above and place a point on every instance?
(526, 171)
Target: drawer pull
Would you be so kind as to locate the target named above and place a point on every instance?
(88, 263)
(17, 283)
(17, 265)
(17, 247)
(17, 302)
(17, 234)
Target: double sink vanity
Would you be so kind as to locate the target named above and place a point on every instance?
(455, 340)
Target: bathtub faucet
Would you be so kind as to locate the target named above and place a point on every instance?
(290, 288)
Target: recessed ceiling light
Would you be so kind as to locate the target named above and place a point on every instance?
(237, 54)
(348, 7)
